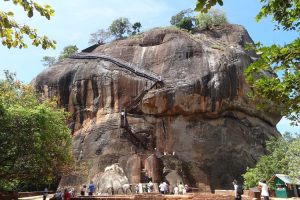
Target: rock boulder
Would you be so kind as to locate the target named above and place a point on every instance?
(164, 93)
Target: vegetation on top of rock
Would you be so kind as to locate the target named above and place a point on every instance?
(12, 32)
(48, 61)
(136, 28)
(34, 140)
(67, 51)
(99, 37)
(210, 19)
(282, 158)
(119, 27)
(184, 19)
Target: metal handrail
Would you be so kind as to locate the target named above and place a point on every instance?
(120, 63)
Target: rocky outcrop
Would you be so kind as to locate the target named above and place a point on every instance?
(163, 102)
(113, 179)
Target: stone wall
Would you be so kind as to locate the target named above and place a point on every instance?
(198, 196)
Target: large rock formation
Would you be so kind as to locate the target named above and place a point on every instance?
(162, 102)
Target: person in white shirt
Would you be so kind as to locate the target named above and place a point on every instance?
(264, 189)
(176, 190)
(140, 188)
(166, 187)
(150, 186)
(161, 188)
(237, 196)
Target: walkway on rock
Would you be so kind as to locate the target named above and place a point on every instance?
(120, 63)
(139, 72)
(138, 98)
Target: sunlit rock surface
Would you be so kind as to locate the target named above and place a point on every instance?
(197, 122)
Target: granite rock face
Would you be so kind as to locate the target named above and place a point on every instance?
(162, 102)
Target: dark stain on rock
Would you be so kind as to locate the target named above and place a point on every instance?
(64, 84)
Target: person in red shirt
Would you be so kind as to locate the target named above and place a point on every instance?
(67, 195)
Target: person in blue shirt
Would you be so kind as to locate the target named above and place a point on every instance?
(45, 193)
(91, 188)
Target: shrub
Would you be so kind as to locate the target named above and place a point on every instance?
(184, 19)
(210, 19)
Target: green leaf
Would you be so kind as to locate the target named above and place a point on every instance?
(11, 14)
(15, 43)
(220, 2)
(32, 36)
(30, 13)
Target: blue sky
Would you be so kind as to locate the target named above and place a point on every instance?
(75, 20)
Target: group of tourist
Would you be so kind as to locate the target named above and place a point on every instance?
(163, 188)
(65, 195)
(177, 189)
(238, 191)
(143, 188)
(68, 193)
(89, 190)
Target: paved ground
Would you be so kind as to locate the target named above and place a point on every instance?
(36, 197)
(49, 196)
(294, 198)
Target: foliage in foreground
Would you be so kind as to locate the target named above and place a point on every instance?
(282, 90)
(12, 32)
(34, 140)
(283, 157)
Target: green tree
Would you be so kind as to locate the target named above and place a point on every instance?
(12, 32)
(282, 90)
(119, 27)
(34, 140)
(286, 13)
(67, 51)
(136, 27)
(283, 157)
(48, 61)
(210, 19)
(204, 5)
(99, 37)
(184, 19)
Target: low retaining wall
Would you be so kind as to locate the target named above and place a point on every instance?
(16, 195)
(157, 196)
(8, 196)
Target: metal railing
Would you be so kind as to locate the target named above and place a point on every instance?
(120, 63)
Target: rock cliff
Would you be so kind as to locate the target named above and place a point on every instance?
(165, 104)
